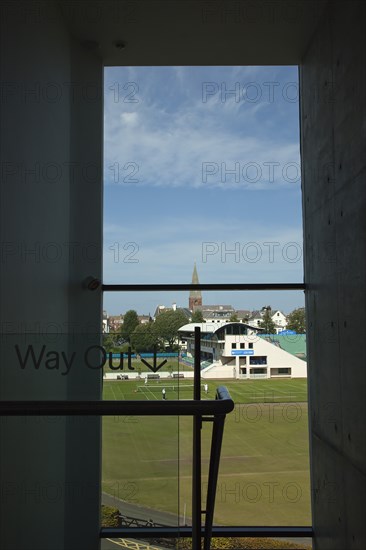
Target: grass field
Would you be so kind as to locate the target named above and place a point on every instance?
(171, 364)
(264, 469)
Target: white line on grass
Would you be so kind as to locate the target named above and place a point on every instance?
(114, 395)
(152, 393)
(145, 395)
(234, 474)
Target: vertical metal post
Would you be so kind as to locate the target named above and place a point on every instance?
(216, 442)
(197, 364)
(196, 463)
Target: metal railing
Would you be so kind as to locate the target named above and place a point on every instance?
(217, 409)
(172, 407)
(202, 411)
(199, 531)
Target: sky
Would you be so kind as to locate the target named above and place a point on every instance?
(202, 164)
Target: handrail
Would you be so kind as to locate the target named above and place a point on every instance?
(174, 407)
(218, 407)
(222, 393)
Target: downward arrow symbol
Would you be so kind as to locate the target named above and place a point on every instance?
(154, 367)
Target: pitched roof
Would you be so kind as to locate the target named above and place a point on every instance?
(161, 309)
(292, 343)
(216, 307)
(243, 312)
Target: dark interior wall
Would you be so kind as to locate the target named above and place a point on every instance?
(50, 216)
(333, 135)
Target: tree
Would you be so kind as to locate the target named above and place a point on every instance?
(144, 338)
(130, 322)
(197, 317)
(110, 341)
(167, 325)
(266, 323)
(234, 318)
(296, 320)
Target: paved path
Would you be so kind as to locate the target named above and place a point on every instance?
(141, 512)
(165, 518)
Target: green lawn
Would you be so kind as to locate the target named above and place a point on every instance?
(172, 363)
(264, 471)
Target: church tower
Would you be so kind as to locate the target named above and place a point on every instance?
(195, 296)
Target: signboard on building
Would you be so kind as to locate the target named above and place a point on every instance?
(242, 352)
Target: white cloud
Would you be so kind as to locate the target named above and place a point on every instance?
(129, 119)
(163, 141)
(195, 144)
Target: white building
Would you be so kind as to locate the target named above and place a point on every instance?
(105, 322)
(279, 319)
(234, 350)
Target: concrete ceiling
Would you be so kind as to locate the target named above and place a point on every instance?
(194, 32)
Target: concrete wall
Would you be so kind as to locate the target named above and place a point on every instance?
(333, 134)
(50, 215)
(221, 371)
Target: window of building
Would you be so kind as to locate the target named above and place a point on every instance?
(258, 371)
(173, 152)
(258, 360)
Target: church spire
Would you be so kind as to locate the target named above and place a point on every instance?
(195, 280)
(195, 296)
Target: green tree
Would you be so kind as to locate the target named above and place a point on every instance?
(197, 317)
(167, 325)
(266, 323)
(130, 322)
(110, 341)
(296, 320)
(144, 338)
(234, 318)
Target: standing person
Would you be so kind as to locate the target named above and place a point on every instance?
(163, 392)
(146, 379)
(206, 387)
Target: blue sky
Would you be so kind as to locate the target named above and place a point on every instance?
(198, 162)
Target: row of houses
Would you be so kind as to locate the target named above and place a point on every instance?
(215, 313)
(113, 323)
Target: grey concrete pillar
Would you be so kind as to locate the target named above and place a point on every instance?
(333, 137)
